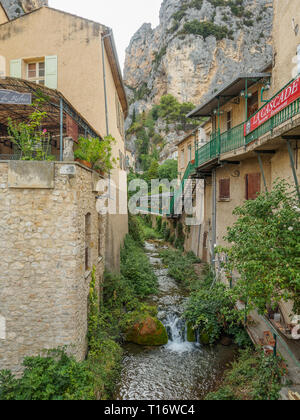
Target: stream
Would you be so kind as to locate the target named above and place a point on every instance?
(180, 370)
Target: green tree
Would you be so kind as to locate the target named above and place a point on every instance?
(152, 172)
(168, 170)
(266, 248)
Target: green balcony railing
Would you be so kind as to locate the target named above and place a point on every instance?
(234, 139)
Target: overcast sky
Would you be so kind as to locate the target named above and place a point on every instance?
(124, 16)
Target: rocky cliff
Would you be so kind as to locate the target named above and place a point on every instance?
(198, 46)
(16, 8)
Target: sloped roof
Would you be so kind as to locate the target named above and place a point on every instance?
(228, 91)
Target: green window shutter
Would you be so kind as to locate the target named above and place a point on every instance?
(51, 71)
(16, 68)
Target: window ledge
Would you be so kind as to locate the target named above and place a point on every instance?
(224, 200)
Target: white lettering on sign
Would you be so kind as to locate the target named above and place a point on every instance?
(68, 170)
(10, 97)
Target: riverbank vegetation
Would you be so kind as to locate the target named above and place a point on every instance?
(264, 249)
(253, 376)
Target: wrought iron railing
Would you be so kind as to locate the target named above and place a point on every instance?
(235, 139)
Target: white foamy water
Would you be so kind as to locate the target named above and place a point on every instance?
(178, 371)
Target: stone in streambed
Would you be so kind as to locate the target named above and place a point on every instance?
(226, 341)
(147, 332)
(191, 334)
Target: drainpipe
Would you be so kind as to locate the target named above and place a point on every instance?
(104, 81)
(105, 97)
(219, 127)
(262, 170)
(292, 162)
(61, 134)
(246, 99)
(214, 218)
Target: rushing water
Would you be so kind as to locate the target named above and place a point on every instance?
(180, 370)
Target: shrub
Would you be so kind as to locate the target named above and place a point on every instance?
(180, 266)
(56, 376)
(206, 29)
(213, 312)
(253, 376)
(136, 269)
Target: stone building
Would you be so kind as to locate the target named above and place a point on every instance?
(78, 57)
(53, 226)
(51, 236)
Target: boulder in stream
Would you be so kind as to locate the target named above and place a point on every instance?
(147, 332)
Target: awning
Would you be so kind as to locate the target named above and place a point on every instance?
(55, 105)
(230, 91)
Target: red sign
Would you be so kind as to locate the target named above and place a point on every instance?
(72, 128)
(281, 101)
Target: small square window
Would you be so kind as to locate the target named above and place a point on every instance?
(31, 70)
(36, 72)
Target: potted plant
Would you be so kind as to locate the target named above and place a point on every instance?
(95, 153)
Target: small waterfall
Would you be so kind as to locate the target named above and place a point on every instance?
(177, 333)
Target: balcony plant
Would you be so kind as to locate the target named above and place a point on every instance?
(30, 139)
(95, 153)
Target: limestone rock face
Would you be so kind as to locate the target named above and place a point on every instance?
(192, 67)
(16, 8)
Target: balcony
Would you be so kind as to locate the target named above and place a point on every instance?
(235, 138)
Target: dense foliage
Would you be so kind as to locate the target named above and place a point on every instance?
(56, 376)
(30, 139)
(211, 310)
(206, 29)
(265, 248)
(253, 376)
(180, 266)
(149, 141)
(137, 270)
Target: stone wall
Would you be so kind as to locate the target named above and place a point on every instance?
(44, 283)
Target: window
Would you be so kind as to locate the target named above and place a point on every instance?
(229, 120)
(224, 189)
(190, 152)
(88, 237)
(182, 158)
(253, 104)
(253, 186)
(36, 72)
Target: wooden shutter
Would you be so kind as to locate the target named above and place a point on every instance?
(51, 71)
(224, 189)
(16, 68)
(253, 183)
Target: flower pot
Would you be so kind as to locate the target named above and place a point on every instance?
(84, 163)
